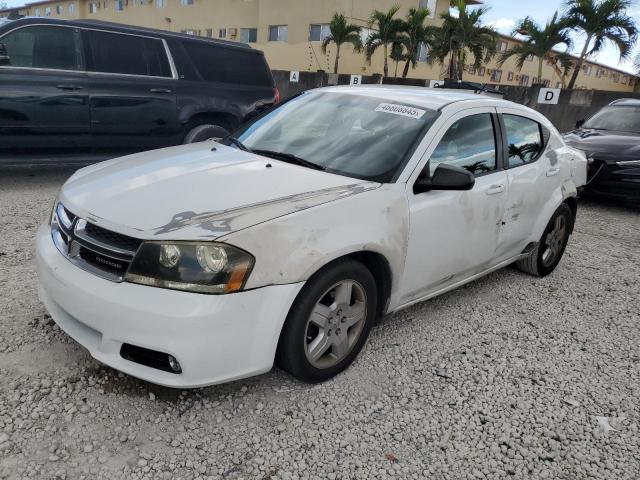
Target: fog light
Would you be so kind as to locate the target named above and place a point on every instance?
(173, 363)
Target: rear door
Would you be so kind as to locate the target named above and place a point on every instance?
(43, 91)
(532, 170)
(131, 90)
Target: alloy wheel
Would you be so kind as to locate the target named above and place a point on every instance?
(335, 324)
(554, 241)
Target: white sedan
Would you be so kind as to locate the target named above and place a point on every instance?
(205, 263)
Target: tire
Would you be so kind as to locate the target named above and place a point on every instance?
(544, 259)
(302, 339)
(201, 133)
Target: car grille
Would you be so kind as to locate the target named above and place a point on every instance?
(95, 249)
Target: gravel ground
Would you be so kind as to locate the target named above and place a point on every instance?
(509, 377)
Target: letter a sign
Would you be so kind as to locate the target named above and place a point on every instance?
(549, 95)
(294, 77)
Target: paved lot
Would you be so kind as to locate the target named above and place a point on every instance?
(509, 377)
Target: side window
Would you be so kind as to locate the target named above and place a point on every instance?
(524, 140)
(41, 47)
(126, 54)
(469, 143)
(228, 65)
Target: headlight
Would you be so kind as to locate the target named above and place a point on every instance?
(203, 267)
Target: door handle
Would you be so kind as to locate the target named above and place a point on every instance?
(551, 171)
(495, 189)
(160, 90)
(69, 87)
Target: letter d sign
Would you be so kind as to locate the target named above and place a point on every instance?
(549, 95)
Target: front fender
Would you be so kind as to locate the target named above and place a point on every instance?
(291, 248)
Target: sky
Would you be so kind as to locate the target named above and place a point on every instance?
(505, 13)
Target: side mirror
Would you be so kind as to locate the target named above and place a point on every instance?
(580, 123)
(4, 55)
(446, 177)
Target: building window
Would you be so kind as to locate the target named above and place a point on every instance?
(249, 35)
(472, 70)
(36, 12)
(209, 32)
(546, 82)
(423, 52)
(502, 46)
(278, 33)
(510, 76)
(623, 81)
(119, 5)
(72, 8)
(318, 32)
(524, 80)
(558, 84)
(431, 5)
(496, 75)
(186, 2)
(93, 7)
(534, 81)
(58, 9)
(481, 71)
(47, 12)
(222, 33)
(161, 3)
(587, 69)
(189, 32)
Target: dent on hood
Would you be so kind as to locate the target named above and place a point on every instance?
(222, 222)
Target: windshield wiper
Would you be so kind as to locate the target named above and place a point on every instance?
(289, 158)
(238, 144)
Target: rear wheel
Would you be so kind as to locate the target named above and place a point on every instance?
(201, 133)
(545, 257)
(329, 322)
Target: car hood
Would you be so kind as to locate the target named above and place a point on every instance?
(605, 145)
(199, 191)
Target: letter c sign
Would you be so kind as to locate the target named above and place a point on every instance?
(549, 95)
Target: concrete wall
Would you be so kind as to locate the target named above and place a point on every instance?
(573, 105)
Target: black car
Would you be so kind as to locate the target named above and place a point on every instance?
(611, 141)
(99, 87)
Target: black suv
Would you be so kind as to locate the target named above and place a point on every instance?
(99, 87)
(611, 141)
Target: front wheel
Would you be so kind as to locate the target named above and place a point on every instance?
(329, 322)
(546, 256)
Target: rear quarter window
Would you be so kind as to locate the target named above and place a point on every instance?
(228, 65)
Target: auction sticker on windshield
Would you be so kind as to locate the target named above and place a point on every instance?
(401, 110)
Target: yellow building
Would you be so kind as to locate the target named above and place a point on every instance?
(290, 33)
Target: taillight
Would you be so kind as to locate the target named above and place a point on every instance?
(276, 94)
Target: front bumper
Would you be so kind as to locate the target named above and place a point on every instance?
(216, 338)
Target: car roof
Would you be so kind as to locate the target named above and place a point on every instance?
(118, 27)
(431, 98)
(627, 101)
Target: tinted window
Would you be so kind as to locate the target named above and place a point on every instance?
(125, 54)
(524, 140)
(469, 143)
(618, 118)
(41, 47)
(228, 65)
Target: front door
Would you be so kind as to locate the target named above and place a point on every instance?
(453, 234)
(132, 92)
(43, 91)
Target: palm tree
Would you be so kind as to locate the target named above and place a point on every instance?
(397, 55)
(602, 21)
(387, 31)
(462, 35)
(342, 32)
(415, 33)
(539, 42)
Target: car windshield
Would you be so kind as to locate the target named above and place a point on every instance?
(353, 135)
(619, 118)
